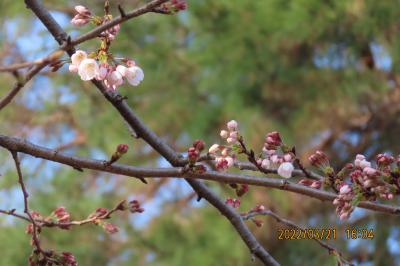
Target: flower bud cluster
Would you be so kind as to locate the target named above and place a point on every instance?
(319, 159)
(134, 206)
(68, 259)
(100, 65)
(343, 202)
(174, 6)
(368, 183)
(110, 228)
(372, 181)
(224, 154)
(235, 203)
(61, 215)
(232, 134)
(272, 159)
(272, 141)
(110, 33)
(113, 76)
(195, 150)
(312, 183)
(82, 17)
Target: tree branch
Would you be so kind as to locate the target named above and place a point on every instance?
(26, 147)
(142, 131)
(21, 81)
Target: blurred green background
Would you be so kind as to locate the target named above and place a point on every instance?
(323, 73)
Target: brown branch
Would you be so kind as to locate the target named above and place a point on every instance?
(44, 60)
(331, 249)
(13, 213)
(26, 147)
(149, 7)
(26, 205)
(21, 82)
(107, 215)
(136, 124)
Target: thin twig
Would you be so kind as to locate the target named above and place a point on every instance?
(13, 213)
(22, 81)
(26, 204)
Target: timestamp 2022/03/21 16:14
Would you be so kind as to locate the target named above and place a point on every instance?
(324, 233)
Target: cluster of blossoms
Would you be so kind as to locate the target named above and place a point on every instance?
(224, 154)
(100, 65)
(257, 209)
(63, 258)
(173, 6)
(112, 76)
(367, 183)
(195, 150)
(271, 158)
(235, 203)
(357, 181)
(343, 202)
(61, 218)
(82, 16)
(374, 182)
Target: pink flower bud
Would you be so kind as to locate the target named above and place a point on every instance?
(193, 154)
(232, 125)
(134, 206)
(115, 79)
(82, 10)
(316, 184)
(213, 149)
(103, 72)
(384, 159)
(287, 157)
(68, 259)
(29, 229)
(229, 161)
(100, 212)
(233, 134)
(231, 140)
(370, 171)
(275, 159)
(79, 21)
(266, 164)
(306, 182)
(258, 208)
(122, 148)
(224, 134)
(272, 140)
(364, 164)
(110, 228)
(257, 222)
(235, 203)
(199, 144)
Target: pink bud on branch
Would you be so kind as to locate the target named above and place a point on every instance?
(119, 152)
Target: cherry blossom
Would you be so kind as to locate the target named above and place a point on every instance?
(285, 170)
(88, 69)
